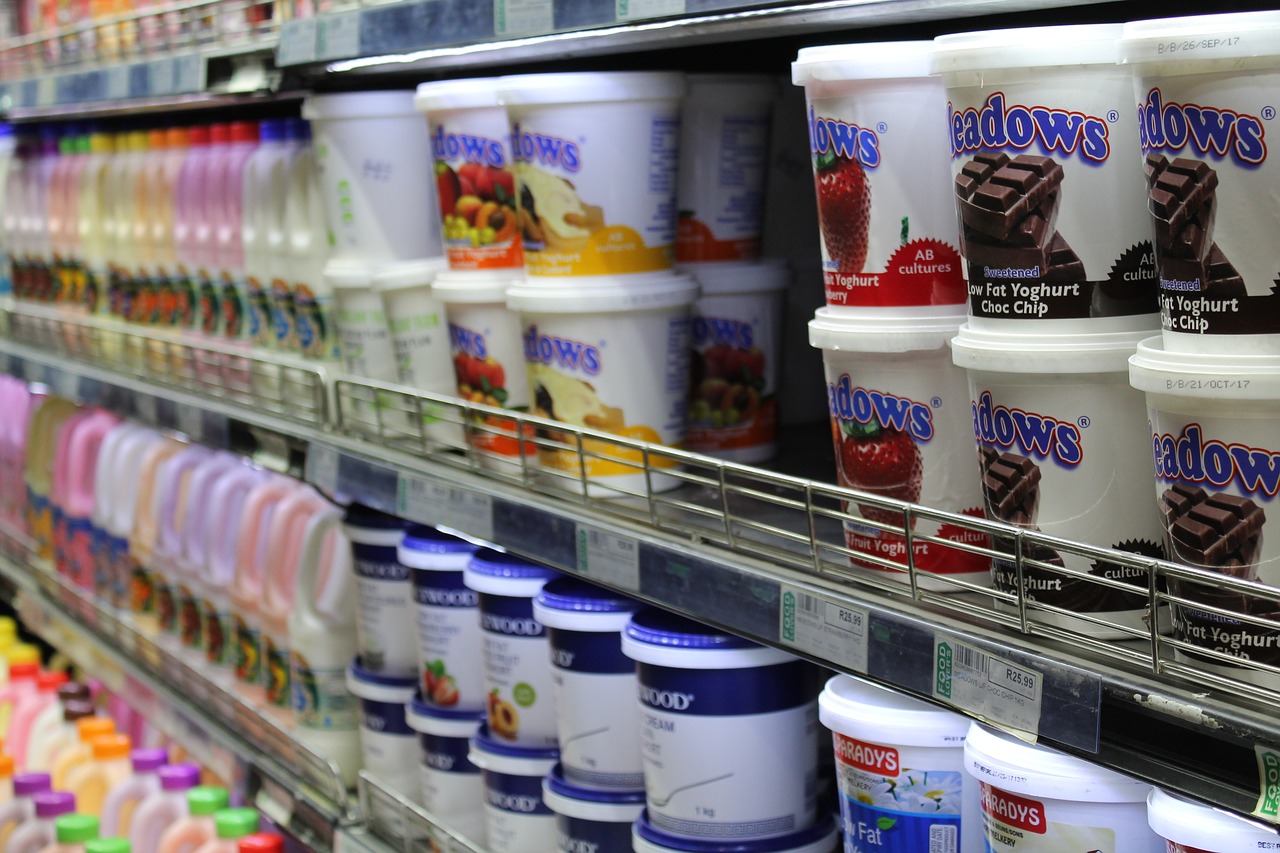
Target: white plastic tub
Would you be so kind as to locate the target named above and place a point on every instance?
(517, 820)
(1064, 450)
(384, 617)
(386, 741)
(1190, 827)
(452, 787)
(1034, 799)
(901, 423)
(1072, 254)
(736, 329)
(877, 130)
(596, 154)
(588, 819)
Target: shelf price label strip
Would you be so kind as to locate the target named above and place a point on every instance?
(988, 686)
(824, 628)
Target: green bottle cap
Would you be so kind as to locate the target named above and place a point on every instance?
(75, 828)
(206, 799)
(235, 823)
(107, 845)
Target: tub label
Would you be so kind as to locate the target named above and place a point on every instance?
(517, 672)
(476, 189)
(823, 628)
(732, 394)
(385, 614)
(1014, 823)
(518, 820)
(988, 686)
(579, 835)
(449, 640)
(320, 696)
(219, 635)
(451, 784)
(481, 363)
(885, 806)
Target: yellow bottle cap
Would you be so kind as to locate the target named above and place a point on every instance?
(102, 143)
(92, 727)
(22, 653)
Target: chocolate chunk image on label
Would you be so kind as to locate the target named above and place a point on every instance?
(1219, 531)
(997, 193)
(1010, 487)
(1182, 198)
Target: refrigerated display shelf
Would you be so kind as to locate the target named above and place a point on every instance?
(753, 551)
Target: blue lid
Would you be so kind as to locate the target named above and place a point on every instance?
(661, 628)
(49, 132)
(556, 783)
(417, 706)
(362, 516)
(498, 564)
(579, 596)
(271, 130)
(812, 835)
(296, 128)
(384, 679)
(6, 129)
(420, 537)
(487, 744)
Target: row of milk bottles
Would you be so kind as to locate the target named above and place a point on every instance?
(214, 229)
(243, 573)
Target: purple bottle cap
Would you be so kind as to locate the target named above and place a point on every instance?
(30, 784)
(178, 777)
(148, 760)
(51, 804)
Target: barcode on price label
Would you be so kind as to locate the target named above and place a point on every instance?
(610, 558)
(827, 629)
(987, 685)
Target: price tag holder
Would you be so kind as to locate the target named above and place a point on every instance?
(610, 558)
(28, 93)
(1268, 807)
(117, 82)
(987, 685)
(322, 468)
(297, 42)
(630, 10)
(826, 629)
(522, 17)
(162, 76)
(46, 92)
(188, 73)
(338, 36)
(434, 502)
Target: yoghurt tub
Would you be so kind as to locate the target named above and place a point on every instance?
(1039, 800)
(517, 820)
(590, 820)
(1215, 441)
(703, 696)
(363, 333)
(387, 746)
(452, 787)
(519, 692)
(724, 148)
(1202, 88)
(1189, 827)
(737, 330)
(877, 137)
(488, 360)
(1060, 443)
(597, 717)
(1047, 190)
(900, 421)
(595, 166)
(447, 618)
(819, 838)
(374, 180)
(384, 616)
(900, 771)
(611, 355)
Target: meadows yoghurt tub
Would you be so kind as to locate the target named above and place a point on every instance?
(1047, 190)
(595, 168)
(1203, 100)
(876, 132)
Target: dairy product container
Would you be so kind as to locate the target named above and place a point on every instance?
(1047, 189)
(386, 741)
(1190, 827)
(877, 136)
(385, 617)
(363, 334)
(590, 819)
(517, 820)
(450, 785)
(595, 167)
(819, 838)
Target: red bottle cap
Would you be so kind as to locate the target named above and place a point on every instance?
(262, 842)
(244, 131)
(219, 133)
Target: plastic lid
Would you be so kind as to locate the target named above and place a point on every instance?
(148, 760)
(1156, 370)
(475, 286)
(442, 722)
(107, 845)
(1028, 47)
(297, 129)
(30, 784)
(349, 275)
(51, 804)
(6, 129)
(22, 653)
(235, 823)
(199, 135)
(78, 709)
(8, 629)
(1194, 825)
(1247, 34)
(73, 691)
(178, 777)
(6, 765)
(380, 686)
(656, 636)
(819, 838)
(866, 711)
(1042, 352)
(580, 87)
(867, 61)
(871, 331)
(28, 671)
(92, 727)
(244, 131)
(406, 274)
(271, 130)
(48, 682)
(219, 134)
(206, 799)
(179, 137)
(457, 94)
(498, 573)
(109, 747)
(501, 757)
(596, 294)
(102, 143)
(348, 105)
(606, 806)
(262, 842)
(76, 828)
(576, 605)
(157, 139)
(422, 543)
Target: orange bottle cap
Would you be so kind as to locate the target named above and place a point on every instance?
(92, 727)
(107, 747)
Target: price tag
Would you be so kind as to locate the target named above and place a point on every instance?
(987, 685)
(609, 558)
(139, 80)
(189, 73)
(629, 10)
(191, 422)
(117, 82)
(432, 502)
(823, 628)
(472, 513)
(46, 92)
(29, 93)
(322, 468)
(1268, 807)
(338, 36)
(162, 76)
(521, 17)
(297, 42)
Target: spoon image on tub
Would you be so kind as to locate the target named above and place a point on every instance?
(659, 802)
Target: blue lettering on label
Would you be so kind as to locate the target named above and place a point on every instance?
(464, 146)
(715, 331)
(1035, 435)
(532, 147)
(997, 125)
(465, 340)
(1208, 131)
(1190, 458)
(850, 403)
(844, 139)
(561, 352)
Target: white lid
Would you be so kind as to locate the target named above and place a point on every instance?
(761, 89)
(718, 277)
(1034, 351)
(406, 274)
(349, 275)
(446, 723)
(474, 286)
(596, 294)
(1155, 369)
(379, 536)
(509, 761)
(359, 105)
(870, 61)
(580, 87)
(581, 620)
(1027, 47)
(379, 687)
(686, 658)
(457, 94)
(526, 587)
(600, 812)
(1013, 765)
(882, 330)
(866, 711)
(1191, 824)
(1248, 34)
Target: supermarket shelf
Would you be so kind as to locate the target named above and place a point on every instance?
(755, 552)
(403, 824)
(300, 790)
